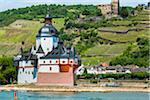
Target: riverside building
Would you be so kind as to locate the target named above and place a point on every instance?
(49, 62)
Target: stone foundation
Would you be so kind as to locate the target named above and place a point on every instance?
(61, 79)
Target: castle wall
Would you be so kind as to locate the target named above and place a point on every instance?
(62, 78)
(25, 72)
(48, 61)
(49, 69)
(25, 75)
(112, 8)
(105, 8)
(49, 44)
(38, 42)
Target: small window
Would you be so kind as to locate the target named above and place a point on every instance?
(47, 48)
(56, 61)
(28, 72)
(50, 61)
(43, 61)
(71, 61)
(44, 38)
(52, 31)
(20, 72)
(32, 73)
(23, 69)
(50, 68)
(63, 62)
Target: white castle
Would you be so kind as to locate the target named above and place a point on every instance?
(50, 62)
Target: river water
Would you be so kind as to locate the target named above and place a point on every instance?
(22, 95)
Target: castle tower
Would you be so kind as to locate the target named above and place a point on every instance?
(115, 7)
(46, 38)
(50, 63)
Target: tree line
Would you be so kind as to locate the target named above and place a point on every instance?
(8, 72)
(137, 53)
(39, 11)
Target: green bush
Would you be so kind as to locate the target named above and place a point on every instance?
(94, 81)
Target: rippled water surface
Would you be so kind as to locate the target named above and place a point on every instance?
(8, 95)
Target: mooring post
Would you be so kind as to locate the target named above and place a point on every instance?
(15, 95)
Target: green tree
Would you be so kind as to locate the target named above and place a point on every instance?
(7, 70)
(124, 12)
(135, 54)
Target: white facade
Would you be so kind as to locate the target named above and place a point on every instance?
(47, 43)
(25, 63)
(38, 42)
(25, 76)
(25, 72)
(48, 61)
(111, 71)
(49, 69)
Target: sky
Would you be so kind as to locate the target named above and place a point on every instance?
(9, 4)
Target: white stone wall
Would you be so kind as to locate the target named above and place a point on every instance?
(64, 61)
(25, 63)
(39, 55)
(49, 69)
(57, 61)
(25, 76)
(47, 44)
(37, 43)
(48, 61)
(111, 71)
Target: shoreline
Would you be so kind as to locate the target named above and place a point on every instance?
(73, 89)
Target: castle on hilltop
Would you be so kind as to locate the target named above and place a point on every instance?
(112, 8)
(50, 62)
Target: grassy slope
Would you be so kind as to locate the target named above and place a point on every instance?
(11, 37)
(104, 53)
(117, 49)
(107, 49)
(131, 36)
(21, 30)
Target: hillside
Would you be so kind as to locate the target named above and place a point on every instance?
(109, 39)
(21, 30)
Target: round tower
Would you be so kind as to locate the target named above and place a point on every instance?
(47, 36)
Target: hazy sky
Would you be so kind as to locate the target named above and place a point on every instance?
(9, 4)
